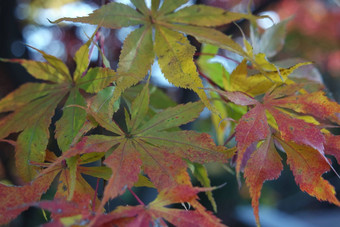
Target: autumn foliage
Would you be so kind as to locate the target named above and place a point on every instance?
(275, 115)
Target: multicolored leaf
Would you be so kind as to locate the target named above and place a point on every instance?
(148, 146)
(264, 164)
(302, 141)
(308, 166)
(33, 105)
(253, 127)
(14, 199)
(157, 211)
(316, 104)
(138, 54)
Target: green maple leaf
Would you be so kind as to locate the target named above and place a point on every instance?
(147, 144)
(33, 105)
(174, 52)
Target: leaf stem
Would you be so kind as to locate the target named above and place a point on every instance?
(92, 47)
(101, 45)
(136, 197)
(229, 138)
(210, 81)
(95, 195)
(91, 51)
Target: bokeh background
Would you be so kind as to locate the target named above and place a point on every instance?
(313, 34)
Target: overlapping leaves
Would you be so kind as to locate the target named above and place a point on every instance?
(275, 118)
(172, 48)
(149, 146)
(157, 211)
(33, 105)
(14, 198)
(281, 116)
(78, 212)
(71, 185)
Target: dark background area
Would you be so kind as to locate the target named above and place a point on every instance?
(313, 34)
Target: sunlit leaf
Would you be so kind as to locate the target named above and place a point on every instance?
(202, 15)
(259, 83)
(174, 54)
(137, 55)
(173, 50)
(112, 15)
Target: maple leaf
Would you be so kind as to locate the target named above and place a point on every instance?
(316, 104)
(254, 126)
(272, 39)
(308, 166)
(332, 146)
(149, 146)
(71, 187)
(201, 174)
(172, 48)
(154, 213)
(14, 198)
(264, 164)
(259, 83)
(219, 77)
(67, 213)
(33, 105)
(64, 212)
(71, 184)
(302, 141)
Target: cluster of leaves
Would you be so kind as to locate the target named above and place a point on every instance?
(145, 146)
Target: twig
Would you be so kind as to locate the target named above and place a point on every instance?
(210, 81)
(229, 138)
(136, 197)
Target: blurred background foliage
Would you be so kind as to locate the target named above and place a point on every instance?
(312, 34)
